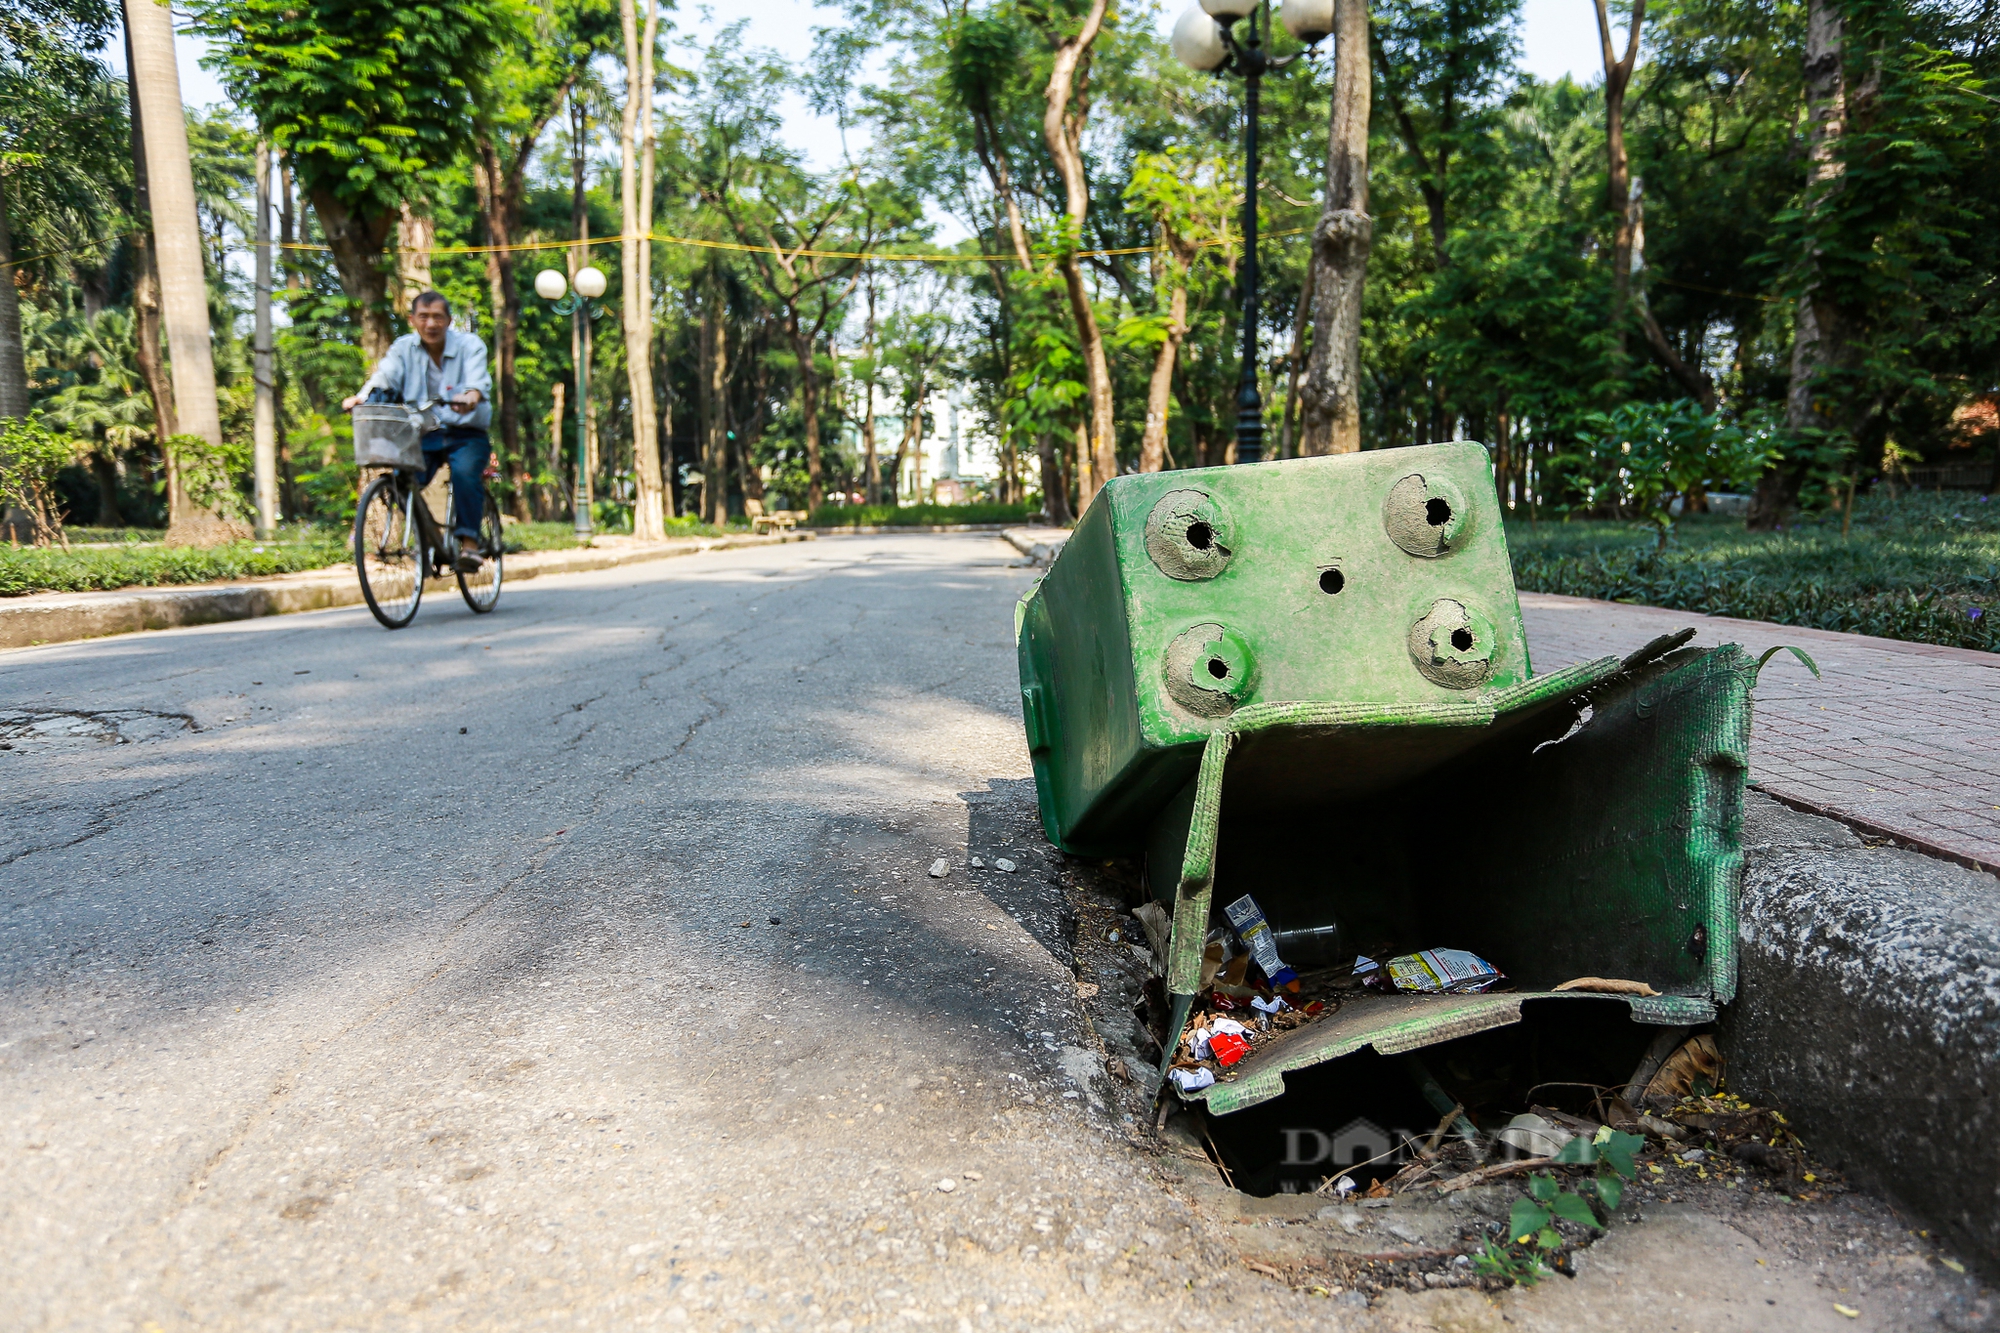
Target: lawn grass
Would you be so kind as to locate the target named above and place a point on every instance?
(29, 569)
(1924, 567)
(137, 561)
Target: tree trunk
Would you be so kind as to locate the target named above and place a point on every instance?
(911, 438)
(1085, 479)
(416, 233)
(747, 478)
(287, 222)
(355, 241)
(1618, 179)
(146, 294)
(1055, 495)
(1816, 333)
(714, 411)
(498, 211)
(16, 525)
(178, 250)
(872, 485)
(1062, 132)
(1160, 389)
(802, 347)
(552, 505)
(1295, 364)
(13, 358)
(1331, 397)
(635, 193)
(993, 156)
(264, 425)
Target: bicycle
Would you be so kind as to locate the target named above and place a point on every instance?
(398, 544)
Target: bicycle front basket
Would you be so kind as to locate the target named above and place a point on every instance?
(385, 435)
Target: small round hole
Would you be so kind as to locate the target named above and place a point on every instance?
(1218, 668)
(1200, 536)
(1437, 511)
(1461, 639)
(1332, 581)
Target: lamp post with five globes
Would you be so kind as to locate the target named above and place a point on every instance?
(550, 285)
(1204, 39)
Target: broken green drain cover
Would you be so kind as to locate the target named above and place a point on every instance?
(1308, 680)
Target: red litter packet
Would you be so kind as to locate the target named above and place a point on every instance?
(1228, 1048)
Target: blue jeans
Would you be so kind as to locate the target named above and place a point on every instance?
(467, 455)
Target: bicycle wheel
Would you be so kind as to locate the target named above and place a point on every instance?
(389, 552)
(481, 589)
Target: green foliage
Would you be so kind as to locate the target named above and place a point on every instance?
(1531, 1224)
(85, 570)
(370, 98)
(31, 454)
(209, 474)
(849, 516)
(62, 135)
(84, 376)
(1886, 243)
(1641, 457)
(1923, 567)
(1487, 311)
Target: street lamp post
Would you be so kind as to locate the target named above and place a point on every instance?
(551, 286)
(1205, 39)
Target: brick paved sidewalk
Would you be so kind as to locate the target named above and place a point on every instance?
(1898, 738)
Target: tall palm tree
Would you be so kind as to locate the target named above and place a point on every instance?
(177, 243)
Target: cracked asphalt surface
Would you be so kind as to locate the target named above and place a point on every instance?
(578, 966)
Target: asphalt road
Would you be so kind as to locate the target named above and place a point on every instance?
(577, 966)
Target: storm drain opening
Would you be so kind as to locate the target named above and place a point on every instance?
(1368, 1116)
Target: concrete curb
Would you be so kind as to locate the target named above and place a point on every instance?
(1041, 545)
(1868, 1008)
(61, 617)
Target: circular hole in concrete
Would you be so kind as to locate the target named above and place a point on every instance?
(1218, 668)
(1461, 639)
(1200, 536)
(1437, 511)
(1332, 581)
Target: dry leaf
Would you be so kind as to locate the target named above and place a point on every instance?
(1265, 1269)
(1696, 1062)
(1608, 986)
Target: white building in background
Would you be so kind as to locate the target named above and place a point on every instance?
(963, 456)
(958, 456)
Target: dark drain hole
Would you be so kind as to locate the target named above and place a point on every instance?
(1437, 511)
(1201, 536)
(1461, 639)
(1218, 668)
(1336, 1115)
(1331, 581)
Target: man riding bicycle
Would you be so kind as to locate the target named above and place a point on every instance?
(438, 364)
